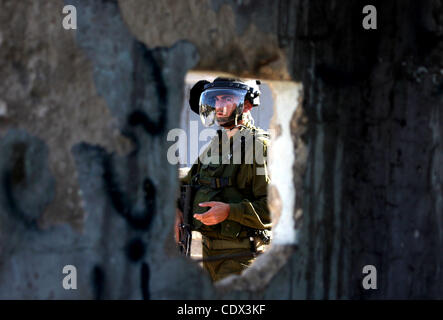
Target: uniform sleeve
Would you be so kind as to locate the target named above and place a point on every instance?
(253, 212)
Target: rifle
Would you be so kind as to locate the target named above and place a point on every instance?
(185, 228)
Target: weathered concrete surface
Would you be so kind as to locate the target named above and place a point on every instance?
(374, 176)
(234, 37)
(47, 89)
(83, 122)
(118, 195)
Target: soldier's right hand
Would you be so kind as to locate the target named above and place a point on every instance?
(178, 223)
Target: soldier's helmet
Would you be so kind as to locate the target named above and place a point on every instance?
(222, 101)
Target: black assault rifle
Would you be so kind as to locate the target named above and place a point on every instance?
(185, 205)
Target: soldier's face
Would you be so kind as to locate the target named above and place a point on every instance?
(225, 105)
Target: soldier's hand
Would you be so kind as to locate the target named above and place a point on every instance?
(219, 212)
(178, 222)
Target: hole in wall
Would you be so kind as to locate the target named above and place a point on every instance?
(276, 114)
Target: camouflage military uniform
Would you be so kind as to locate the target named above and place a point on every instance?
(242, 188)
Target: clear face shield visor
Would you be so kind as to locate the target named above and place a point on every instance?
(221, 106)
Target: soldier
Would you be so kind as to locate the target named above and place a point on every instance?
(229, 178)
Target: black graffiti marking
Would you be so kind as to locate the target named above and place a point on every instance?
(135, 250)
(145, 275)
(98, 282)
(14, 177)
(144, 60)
(140, 118)
(150, 194)
(148, 86)
(144, 56)
(11, 203)
(18, 172)
(139, 220)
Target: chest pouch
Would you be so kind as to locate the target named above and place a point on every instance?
(218, 183)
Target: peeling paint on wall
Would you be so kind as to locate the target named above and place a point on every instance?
(281, 162)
